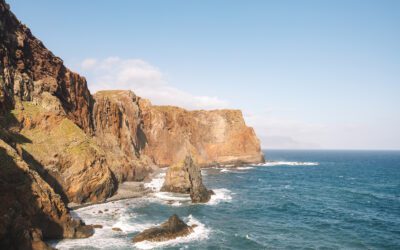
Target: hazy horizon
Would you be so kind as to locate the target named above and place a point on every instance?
(306, 74)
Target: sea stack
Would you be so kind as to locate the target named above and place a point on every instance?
(185, 177)
(60, 144)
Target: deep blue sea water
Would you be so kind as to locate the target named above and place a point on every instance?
(299, 200)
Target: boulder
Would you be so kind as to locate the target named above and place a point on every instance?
(174, 227)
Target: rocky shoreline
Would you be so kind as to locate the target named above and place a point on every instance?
(61, 144)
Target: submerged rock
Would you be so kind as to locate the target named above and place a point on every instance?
(174, 227)
(185, 177)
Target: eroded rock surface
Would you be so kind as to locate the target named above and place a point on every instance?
(119, 131)
(28, 69)
(185, 177)
(30, 211)
(212, 137)
(138, 132)
(60, 144)
(174, 227)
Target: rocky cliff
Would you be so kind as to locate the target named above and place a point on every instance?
(119, 131)
(211, 137)
(166, 134)
(30, 210)
(60, 144)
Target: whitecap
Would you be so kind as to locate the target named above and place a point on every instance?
(221, 194)
(244, 168)
(167, 196)
(156, 183)
(200, 232)
(287, 163)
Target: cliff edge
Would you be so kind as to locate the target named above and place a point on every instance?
(60, 144)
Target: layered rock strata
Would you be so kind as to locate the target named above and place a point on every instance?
(212, 137)
(166, 134)
(60, 144)
(119, 131)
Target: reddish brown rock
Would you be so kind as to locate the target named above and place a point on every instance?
(211, 137)
(67, 158)
(174, 227)
(185, 177)
(119, 131)
(30, 210)
(62, 145)
(134, 131)
(28, 69)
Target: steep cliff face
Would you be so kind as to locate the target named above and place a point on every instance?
(51, 107)
(47, 153)
(119, 131)
(211, 137)
(130, 127)
(59, 144)
(30, 210)
(69, 159)
(28, 69)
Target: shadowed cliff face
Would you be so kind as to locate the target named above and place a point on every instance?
(52, 108)
(119, 131)
(29, 208)
(59, 144)
(28, 69)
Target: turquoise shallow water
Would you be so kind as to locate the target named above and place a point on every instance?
(299, 200)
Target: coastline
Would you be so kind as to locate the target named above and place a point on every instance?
(126, 190)
(137, 189)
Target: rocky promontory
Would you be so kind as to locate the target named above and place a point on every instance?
(60, 144)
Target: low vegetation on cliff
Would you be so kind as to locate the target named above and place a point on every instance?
(60, 144)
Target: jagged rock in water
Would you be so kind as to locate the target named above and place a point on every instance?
(177, 179)
(198, 192)
(185, 177)
(61, 144)
(174, 227)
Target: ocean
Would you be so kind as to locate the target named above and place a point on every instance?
(297, 200)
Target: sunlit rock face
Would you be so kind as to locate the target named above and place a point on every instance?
(60, 144)
(211, 137)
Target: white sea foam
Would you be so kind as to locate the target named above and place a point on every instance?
(221, 195)
(244, 168)
(167, 196)
(200, 232)
(156, 183)
(287, 163)
(115, 216)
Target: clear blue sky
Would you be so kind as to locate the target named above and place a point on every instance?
(307, 74)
